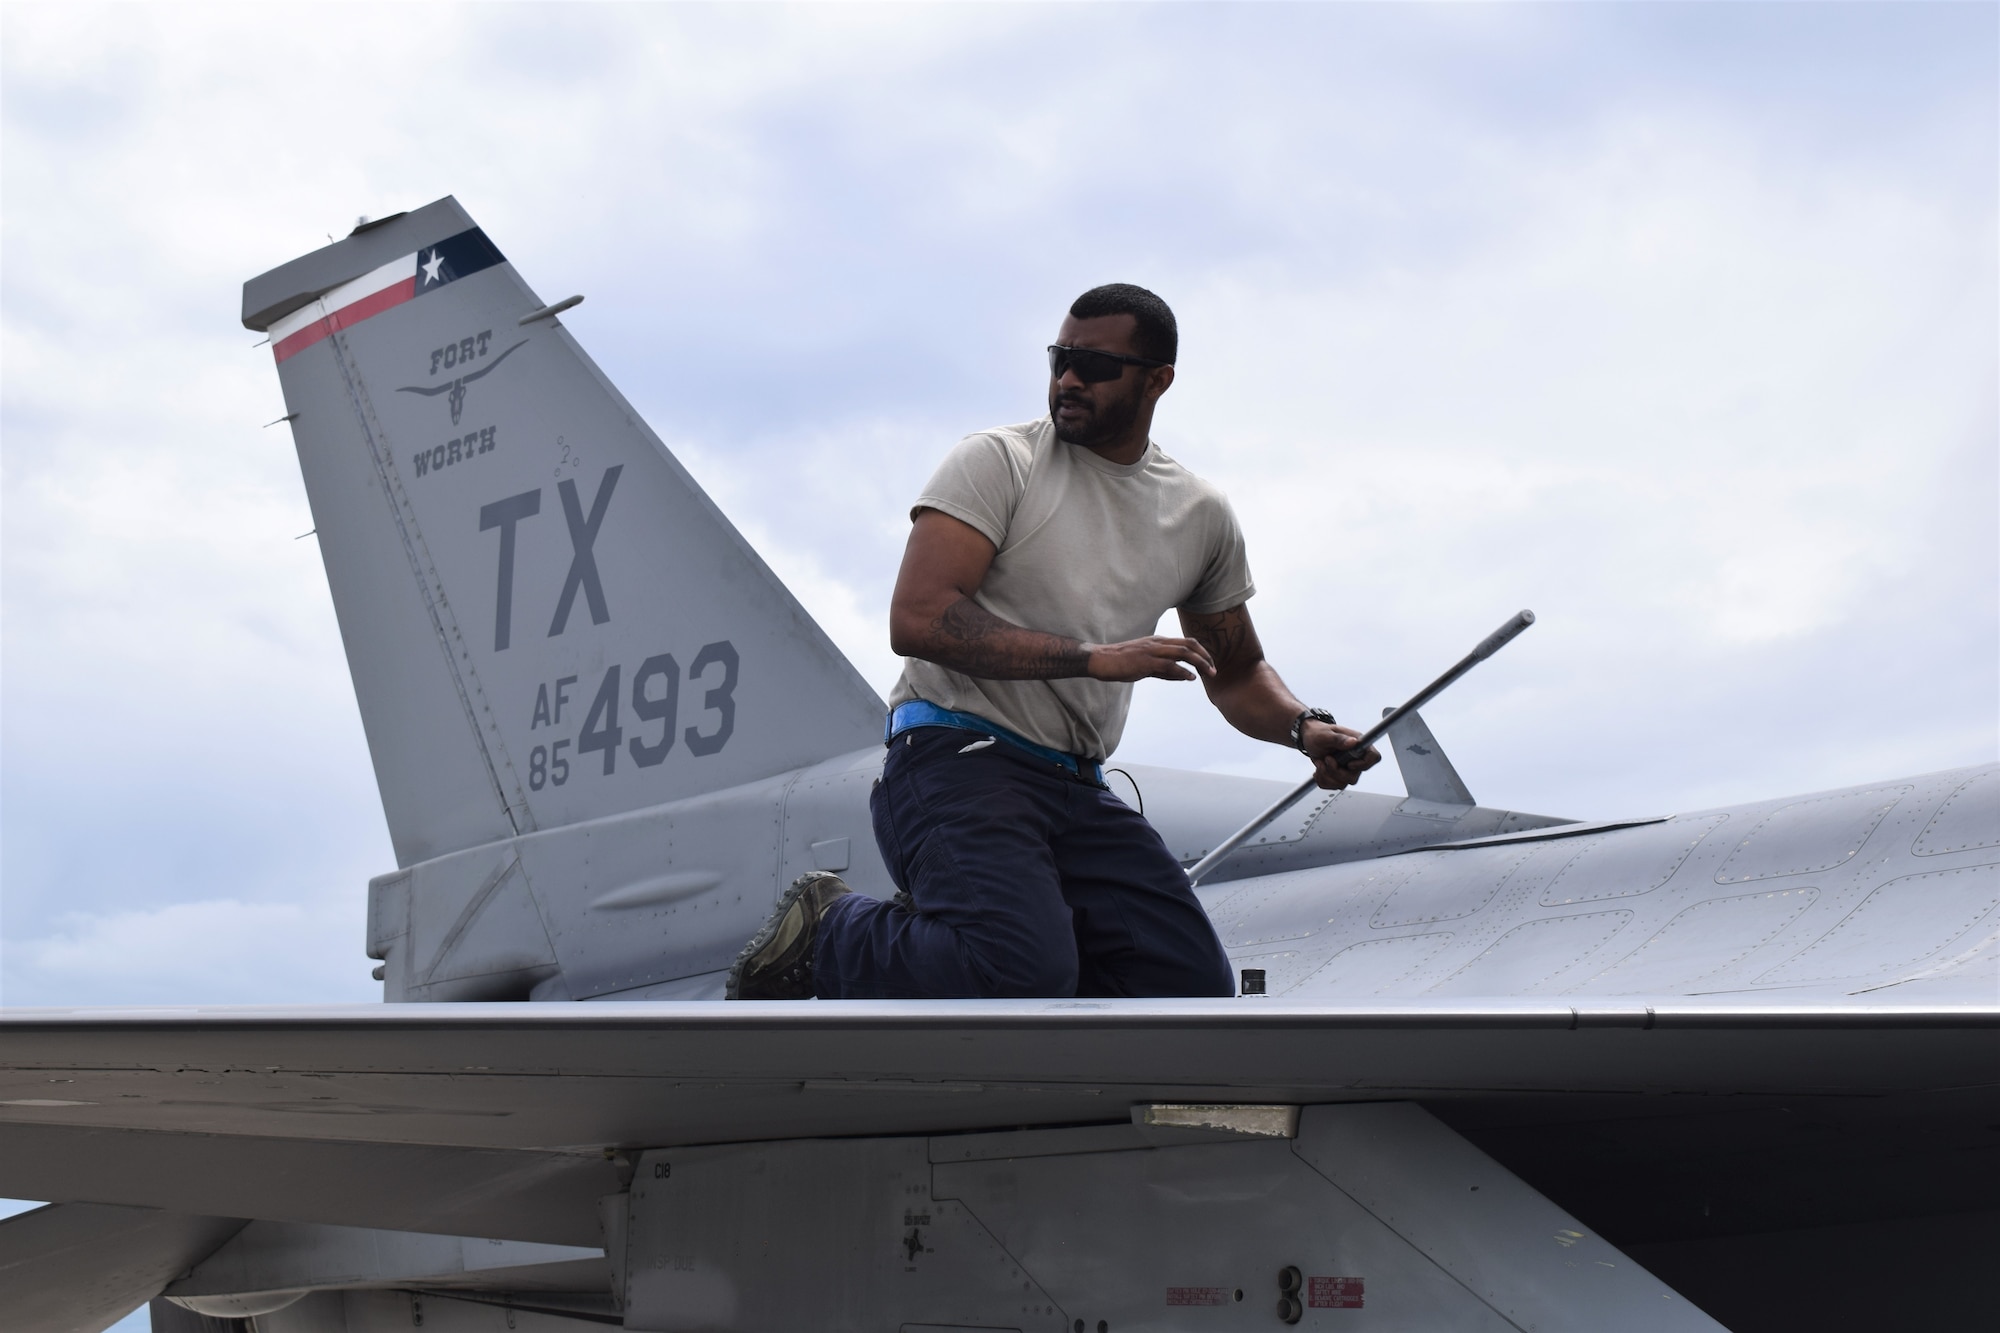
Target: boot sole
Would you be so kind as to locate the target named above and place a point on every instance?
(786, 901)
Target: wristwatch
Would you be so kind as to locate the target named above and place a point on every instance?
(1299, 726)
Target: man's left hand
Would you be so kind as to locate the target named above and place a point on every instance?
(1326, 744)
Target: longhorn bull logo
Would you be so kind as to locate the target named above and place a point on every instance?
(457, 387)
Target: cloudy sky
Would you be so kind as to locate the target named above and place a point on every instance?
(1674, 323)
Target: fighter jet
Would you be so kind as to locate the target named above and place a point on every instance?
(1491, 1070)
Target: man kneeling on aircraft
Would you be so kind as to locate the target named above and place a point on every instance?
(1041, 559)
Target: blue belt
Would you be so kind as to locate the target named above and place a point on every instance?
(923, 713)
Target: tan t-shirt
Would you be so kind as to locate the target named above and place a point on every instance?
(1094, 550)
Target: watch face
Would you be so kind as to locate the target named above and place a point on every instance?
(1299, 725)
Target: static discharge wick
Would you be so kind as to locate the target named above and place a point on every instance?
(1488, 646)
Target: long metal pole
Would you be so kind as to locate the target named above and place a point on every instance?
(1488, 646)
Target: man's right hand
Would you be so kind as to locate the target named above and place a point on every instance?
(1155, 657)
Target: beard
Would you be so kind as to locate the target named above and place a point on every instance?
(1099, 425)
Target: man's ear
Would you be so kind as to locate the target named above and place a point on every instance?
(1161, 379)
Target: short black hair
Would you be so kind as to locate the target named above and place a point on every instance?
(1158, 337)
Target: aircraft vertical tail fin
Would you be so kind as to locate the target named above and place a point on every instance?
(1427, 774)
(545, 618)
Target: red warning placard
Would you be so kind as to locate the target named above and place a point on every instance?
(1197, 1296)
(1333, 1293)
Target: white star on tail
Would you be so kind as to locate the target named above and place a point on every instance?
(431, 267)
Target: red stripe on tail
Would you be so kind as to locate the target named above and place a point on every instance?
(345, 318)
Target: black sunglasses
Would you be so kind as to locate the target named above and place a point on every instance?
(1092, 366)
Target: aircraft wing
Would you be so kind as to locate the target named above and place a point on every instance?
(512, 1120)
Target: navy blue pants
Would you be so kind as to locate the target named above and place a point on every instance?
(1027, 883)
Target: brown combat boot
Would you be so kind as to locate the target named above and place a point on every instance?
(777, 963)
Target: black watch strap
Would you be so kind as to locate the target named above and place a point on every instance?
(1299, 726)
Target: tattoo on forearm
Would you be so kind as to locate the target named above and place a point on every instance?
(969, 638)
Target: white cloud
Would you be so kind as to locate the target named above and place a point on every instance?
(214, 951)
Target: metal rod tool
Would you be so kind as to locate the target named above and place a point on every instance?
(1488, 646)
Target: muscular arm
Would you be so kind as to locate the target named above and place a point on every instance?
(932, 616)
(1248, 691)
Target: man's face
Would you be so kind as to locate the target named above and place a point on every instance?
(1095, 414)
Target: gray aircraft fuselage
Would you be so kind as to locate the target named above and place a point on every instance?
(1353, 895)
